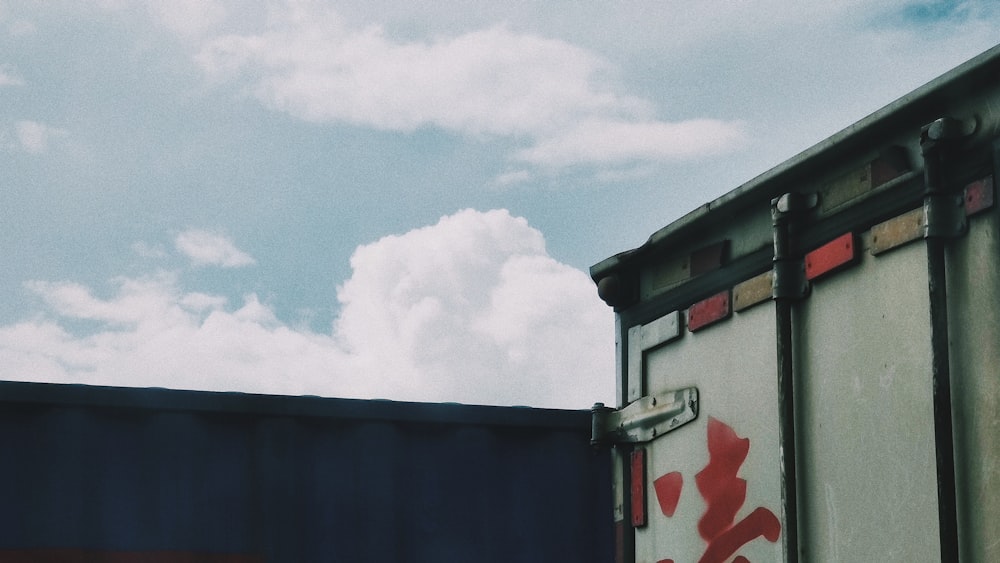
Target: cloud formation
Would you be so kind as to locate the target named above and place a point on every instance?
(9, 76)
(189, 18)
(35, 137)
(488, 82)
(206, 248)
(617, 142)
(474, 307)
(470, 310)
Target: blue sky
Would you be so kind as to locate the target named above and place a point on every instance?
(394, 199)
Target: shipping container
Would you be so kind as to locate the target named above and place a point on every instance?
(100, 474)
(809, 366)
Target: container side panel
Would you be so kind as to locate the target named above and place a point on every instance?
(865, 431)
(974, 311)
(714, 484)
(296, 488)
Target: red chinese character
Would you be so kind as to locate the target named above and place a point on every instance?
(724, 493)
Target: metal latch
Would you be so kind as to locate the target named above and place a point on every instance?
(644, 419)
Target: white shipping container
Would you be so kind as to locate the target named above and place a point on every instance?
(809, 366)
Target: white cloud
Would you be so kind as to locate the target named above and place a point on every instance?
(619, 142)
(471, 310)
(15, 27)
(206, 248)
(189, 18)
(473, 307)
(492, 81)
(35, 137)
(489, 82)
(511, 178)
(153, 334)
(146, 250)
(9, 76)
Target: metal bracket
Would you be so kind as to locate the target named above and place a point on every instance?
(789, 280)
(944, 210)
(944, 216)
(644, 419)
(791, 203)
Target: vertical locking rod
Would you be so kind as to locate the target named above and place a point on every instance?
(936, 140)
(789, 286)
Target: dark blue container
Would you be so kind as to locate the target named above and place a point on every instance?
(123, 475)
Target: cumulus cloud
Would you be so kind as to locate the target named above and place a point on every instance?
(151, 333)
(35, 137)
(489, 82)
(474, 307)
(471, 309)
(206, 248)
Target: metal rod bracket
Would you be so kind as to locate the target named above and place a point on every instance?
(645, 419)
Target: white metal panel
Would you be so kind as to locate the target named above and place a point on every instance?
(733, 366)
(865, 430)
(645, 337)
(974, 311)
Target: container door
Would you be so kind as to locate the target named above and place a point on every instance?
(713, 484)
(868, 480)
(974, 309)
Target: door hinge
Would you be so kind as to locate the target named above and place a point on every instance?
(644, 419)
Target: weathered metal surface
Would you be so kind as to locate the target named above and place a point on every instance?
(846, 188)
(645, 337)
(665, 274)
(944, 216)
(866, 455)
(890, 364)
(966, 90)
(897, 231)
(733, 367)
(647, 418)
(910, 226)
(297, 478)
(660, 331)
(753, 291)
(710, 258)
(857, 183)
(974, 295)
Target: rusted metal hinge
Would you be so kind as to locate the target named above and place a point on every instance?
(644, 419)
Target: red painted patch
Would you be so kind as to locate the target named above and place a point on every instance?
(725, 494)
(979, 195)
(760, 522)
(620, 541)
(709, 311)
(833, 255)
(638, 460)
(718, 484)
(668, 492)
